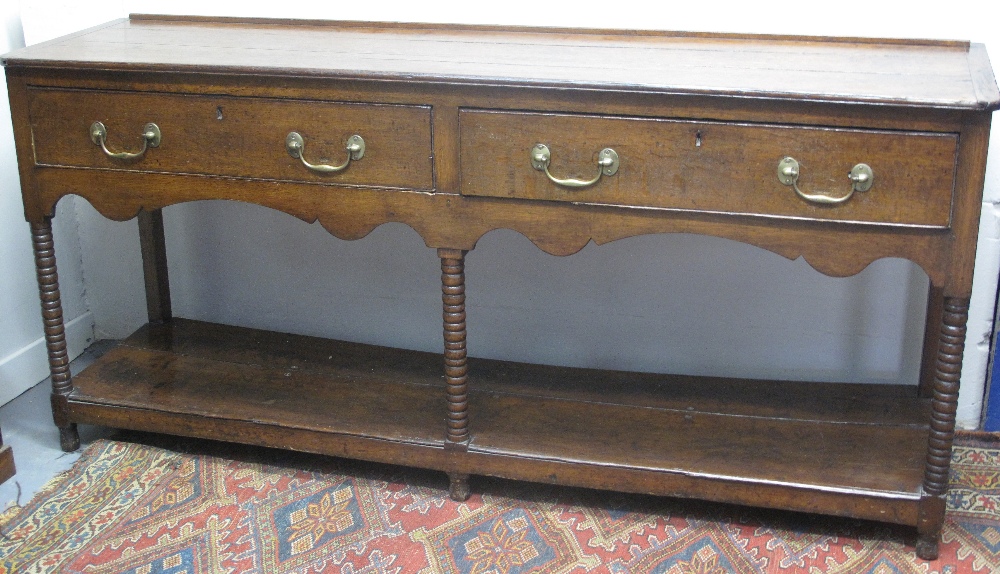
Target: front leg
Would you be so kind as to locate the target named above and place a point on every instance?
(947, 373)
(55, 335)
(455, 363)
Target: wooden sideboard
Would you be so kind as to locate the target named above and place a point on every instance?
(842, 151)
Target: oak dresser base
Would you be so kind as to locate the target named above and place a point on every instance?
(841, 151)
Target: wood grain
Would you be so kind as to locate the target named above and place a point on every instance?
(172, 371)
(449, 113)
(152, 245)
(968, 203)
(917, 73)
(900, 508)
(712, 167)
(947, 372)
(831, 402)
(753, 448)
(349, 402)
(285, 352)
(55, 332)
(456, 368)
(445, 221)
(827, 402)
(235, 136)
(948, 369)
(512, 97)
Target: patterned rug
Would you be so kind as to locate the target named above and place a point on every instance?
(130, 507)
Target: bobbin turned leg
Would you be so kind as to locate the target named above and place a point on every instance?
(947, 372)
(55, 335)
(455, 361)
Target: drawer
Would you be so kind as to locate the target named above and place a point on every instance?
(234, 136)
(712, 166)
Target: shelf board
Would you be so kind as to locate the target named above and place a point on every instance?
(235, 374)
(855, 457)
(875, 404)
(805, 445)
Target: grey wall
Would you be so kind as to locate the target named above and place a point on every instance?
(684, 303)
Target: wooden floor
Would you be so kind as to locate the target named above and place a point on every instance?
(527, 421)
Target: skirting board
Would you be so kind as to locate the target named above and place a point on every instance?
(24, 368)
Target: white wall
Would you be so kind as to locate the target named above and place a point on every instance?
(23, 359)
(671, 303)
(106, 249)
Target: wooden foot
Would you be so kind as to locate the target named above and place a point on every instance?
(929, 526)
(458, 490)
(55, 334)
(69, 438)
(927, 545)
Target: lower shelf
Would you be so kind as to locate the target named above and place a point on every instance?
(852, 450)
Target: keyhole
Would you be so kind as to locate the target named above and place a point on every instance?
(218, 113)
(697, 138)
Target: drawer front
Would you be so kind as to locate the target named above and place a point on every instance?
(711, 167)
(234, 136)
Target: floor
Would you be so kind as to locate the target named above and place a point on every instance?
(26, 423)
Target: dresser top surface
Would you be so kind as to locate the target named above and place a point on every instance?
(841, 70)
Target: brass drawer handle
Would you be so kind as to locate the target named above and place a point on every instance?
(861, 177)
(150, 138)
(607, 164)
(296, 148)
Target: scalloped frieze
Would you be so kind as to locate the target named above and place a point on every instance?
(458, 222)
